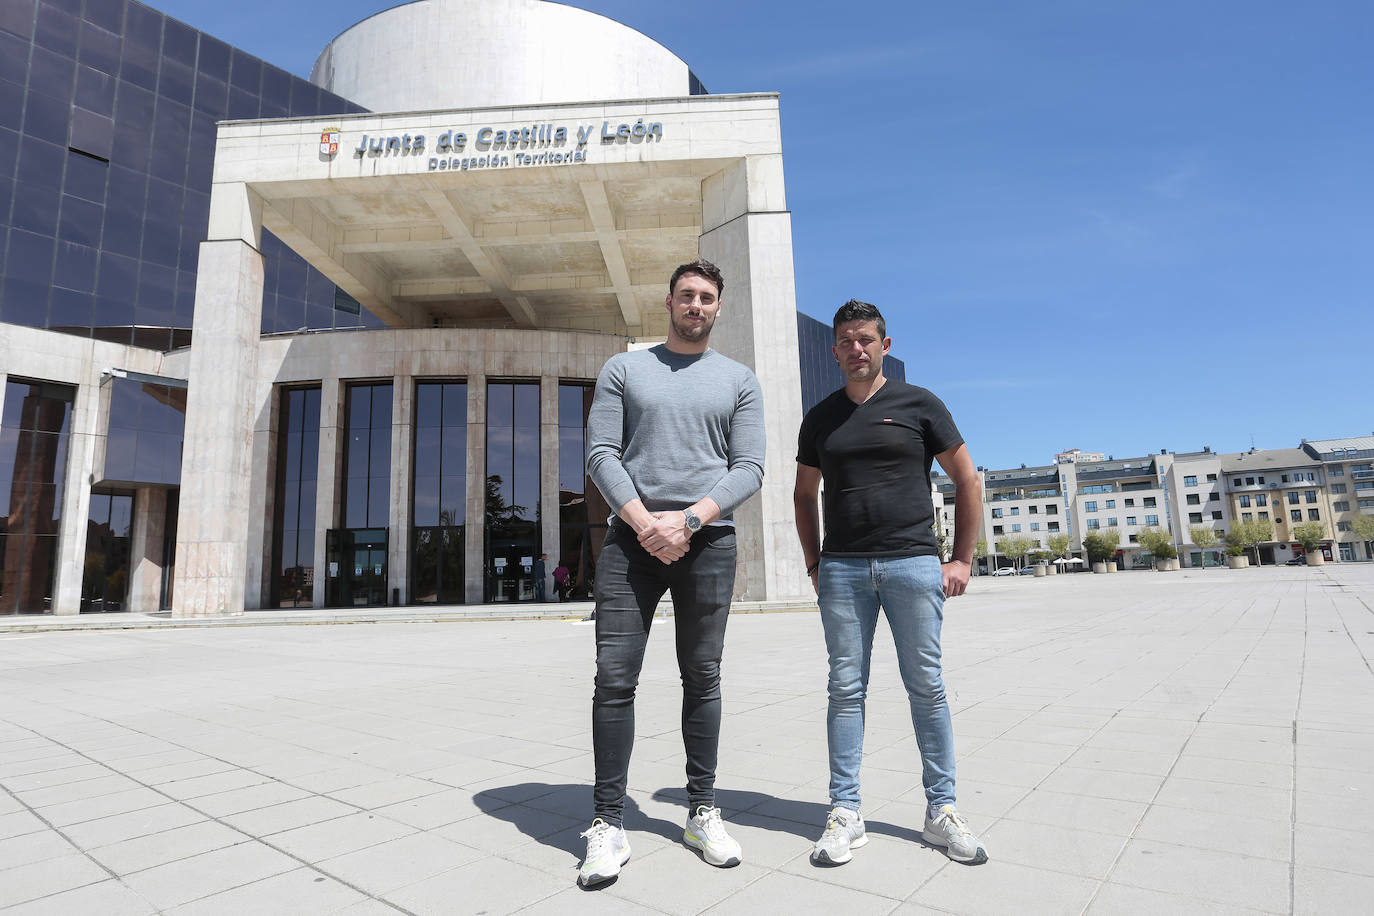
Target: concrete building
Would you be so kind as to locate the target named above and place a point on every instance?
(269, 342)
(1348, 467)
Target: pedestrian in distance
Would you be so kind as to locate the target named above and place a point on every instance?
(872, 443)
(675, 444)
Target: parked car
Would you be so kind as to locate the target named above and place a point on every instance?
(1297, 561)
(1005, 571)
(1028, 570)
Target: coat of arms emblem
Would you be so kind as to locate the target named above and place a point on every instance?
(329, 141)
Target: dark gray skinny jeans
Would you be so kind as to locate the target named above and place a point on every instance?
(629, 584)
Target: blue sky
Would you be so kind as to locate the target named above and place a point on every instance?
(1116, 226)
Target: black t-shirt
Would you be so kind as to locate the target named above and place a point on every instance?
(875, 461)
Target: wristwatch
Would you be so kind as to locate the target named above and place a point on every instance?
(690, 518)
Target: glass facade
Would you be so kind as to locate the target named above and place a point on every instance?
(512, 491)
(146, 428)
(35, 422)
(105, 583)
(107, 135)
(439, 498)
(582, 511)
(293, 544)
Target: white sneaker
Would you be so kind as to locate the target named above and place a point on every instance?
(608, 848)
(844, 830)
(949, 830)
(706, 831)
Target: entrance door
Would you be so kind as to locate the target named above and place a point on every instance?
(510, 569)
(357, 567)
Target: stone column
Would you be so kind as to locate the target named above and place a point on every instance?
(212, 532)
(747, 232)
(548, 476)
(402, 469)
(76, 501)
(145, 549)
(474, 531)
(329, 471)
(262, 502)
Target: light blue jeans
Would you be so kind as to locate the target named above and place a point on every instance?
(911, 591)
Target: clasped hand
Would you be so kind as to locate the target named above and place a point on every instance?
(667, 538)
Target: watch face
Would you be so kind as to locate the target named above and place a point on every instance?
(693, 523)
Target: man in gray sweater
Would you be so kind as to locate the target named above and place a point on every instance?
(675, 444)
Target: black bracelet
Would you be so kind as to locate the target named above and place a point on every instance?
(810, 570)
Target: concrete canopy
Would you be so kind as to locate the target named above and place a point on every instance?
(577, 224)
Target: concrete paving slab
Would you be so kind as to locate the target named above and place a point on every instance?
(1176, 742)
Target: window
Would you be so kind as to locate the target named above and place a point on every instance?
(582, 511)
(1134, 539)
(1337, 489)
(367, 457)
(1195, 518)
(1264, 516)
(1035, 526)
(513, 485)
(1111, 522)
(1053, 526)
(1247, 516)
(1090, 506)
(1244, 501)
(1236, 482)
(1365, 503)
(1211, 478)
(1347, 552)
(1130, 519)
(1249, 481)
(1152, 520)
(1335, 471)
(1033, 510)
(1344, 526)
(1015, 510)
(1216, 515)
(1093, 524)
(1051, 509)
(1309, 496)
(1313, 515)
(997, 513)
(1295, 515)
(1130, 503)
(1015, 529)
(293, 542)
(1149, 502)
(1341, 505)
(1190, 481)
(1293, 498)
(1194, 499)
(996, 529)
(440, 492)
(1283, 478)
(1259, 480)
(1214, 497)
(1100, 488)
(1261, 499)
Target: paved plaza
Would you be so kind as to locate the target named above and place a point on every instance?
(1182, 742)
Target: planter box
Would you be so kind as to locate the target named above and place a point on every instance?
(1316, 559)
(1040, 572)
(1237, 562)
(1051, 570)
(1111, 567)
(1099, 567)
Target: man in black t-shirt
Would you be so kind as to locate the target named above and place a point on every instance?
(873, 442)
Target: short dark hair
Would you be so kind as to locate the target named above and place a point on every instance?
(857, 310)
(702, 268)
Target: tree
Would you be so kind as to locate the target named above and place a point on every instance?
(1097, 547)
(1310, 535)
(1016, 547)
(1112, 538)
(1158, 542)
(1249, 535)
(1059, 545)
(980, 549)
(1364, 530)
(1205, 538)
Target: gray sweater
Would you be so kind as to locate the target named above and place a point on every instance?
(672, 428)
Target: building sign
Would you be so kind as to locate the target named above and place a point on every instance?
(499, 147)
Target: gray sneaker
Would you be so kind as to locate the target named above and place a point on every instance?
(608, 848)
(948, 829)
(844, 830)
(706, 831)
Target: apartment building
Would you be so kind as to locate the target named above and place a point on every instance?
(1329, 481)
